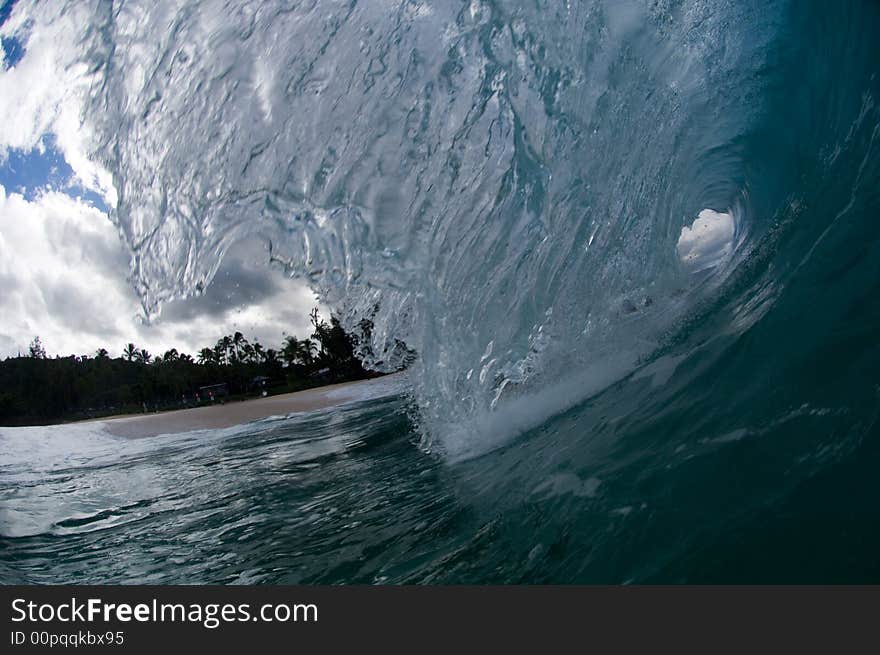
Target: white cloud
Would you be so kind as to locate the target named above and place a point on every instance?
(45, 91)
(708, 240)
(63, 273)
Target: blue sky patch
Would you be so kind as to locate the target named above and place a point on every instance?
(13, 51)
(12, 47)
(6, 9)
(43, 168)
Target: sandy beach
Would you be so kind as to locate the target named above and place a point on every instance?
(137, 426)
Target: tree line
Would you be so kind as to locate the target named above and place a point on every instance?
(38, 389)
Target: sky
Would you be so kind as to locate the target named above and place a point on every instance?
(63, 267)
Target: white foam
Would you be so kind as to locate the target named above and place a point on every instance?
(708, 241)
(390, 385)
(480, 434)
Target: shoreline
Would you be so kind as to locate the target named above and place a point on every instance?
(139, 426)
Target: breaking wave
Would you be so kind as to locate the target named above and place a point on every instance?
(539, 198)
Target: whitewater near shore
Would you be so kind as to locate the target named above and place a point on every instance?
(226, 415)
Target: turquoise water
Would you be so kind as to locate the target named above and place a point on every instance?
(613, 385)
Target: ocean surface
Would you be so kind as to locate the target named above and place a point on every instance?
(635, 245)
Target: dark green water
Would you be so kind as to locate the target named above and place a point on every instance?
(735, 438)
(668, 476)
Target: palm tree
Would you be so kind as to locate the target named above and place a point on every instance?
(239, 344)
(226, 344)
(130, 352)
(206, 356)
(36, 349)
(143, 356)
(171, 355)
(101, 353)
(186, 357)
(258, 352)
(290, 350)
(307, 349)
(322, 330)
(296, 351)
